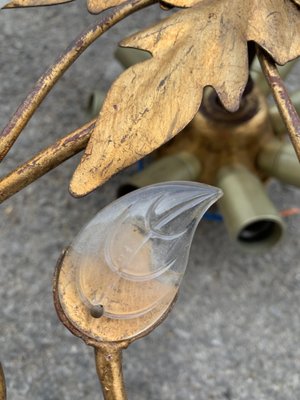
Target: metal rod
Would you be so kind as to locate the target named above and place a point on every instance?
(43, 86)
(2, 384)
(281, 96)
(260, 79)
(45, 161)
(109, 369)
(278, 159)
(276, 119)
(30, 3)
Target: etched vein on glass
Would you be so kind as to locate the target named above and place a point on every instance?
(131, 257)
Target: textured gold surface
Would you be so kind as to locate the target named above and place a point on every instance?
(283, 101)
(146, 107)
(108, 336)
(34, 3)
(109, 369)
(45, 161)
(219, 138)
(2, 384)
(46, 82)
(103, 329)
(153, 101)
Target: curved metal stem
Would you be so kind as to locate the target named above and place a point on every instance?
(2, 384)
(45, 161)
(260, 79)
(283, 101)
(31, 3)
(109, 368)
(276, 119)
(43, 86)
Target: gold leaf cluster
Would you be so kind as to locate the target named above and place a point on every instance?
(205, 45)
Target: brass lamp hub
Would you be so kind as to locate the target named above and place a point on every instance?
(220, 138)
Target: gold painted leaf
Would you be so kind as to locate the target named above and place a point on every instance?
(191, 3)
(183, 3)
(34, 3)
(96, 6)
(154, 100)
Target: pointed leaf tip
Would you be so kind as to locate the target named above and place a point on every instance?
(31, 3)
(139, 244)
(152, 102)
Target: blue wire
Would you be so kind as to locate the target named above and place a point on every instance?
(211, 216)
(140, 165)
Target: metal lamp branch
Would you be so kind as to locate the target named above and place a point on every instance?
(198, 82)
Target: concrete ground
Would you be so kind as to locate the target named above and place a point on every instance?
(234, 333)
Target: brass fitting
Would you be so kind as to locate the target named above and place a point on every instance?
(235, 151)
(250, 217)
(176, 167)
(219, 138)
(279, 160)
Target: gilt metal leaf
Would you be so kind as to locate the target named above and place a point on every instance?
(154, 100)
(33, 3)
(96, 6)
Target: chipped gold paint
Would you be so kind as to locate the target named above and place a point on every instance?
(43, 86)
(2, 384)
(154, 100)
(283, 101)
(146, 107)
(108, 359)
(45, 161)
(108, 336)
(219, 139)
(34, 3)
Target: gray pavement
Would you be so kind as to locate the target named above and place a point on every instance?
(234, 333)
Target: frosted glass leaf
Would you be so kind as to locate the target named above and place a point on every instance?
(132, 255)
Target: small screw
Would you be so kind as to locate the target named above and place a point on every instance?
(97, 310)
